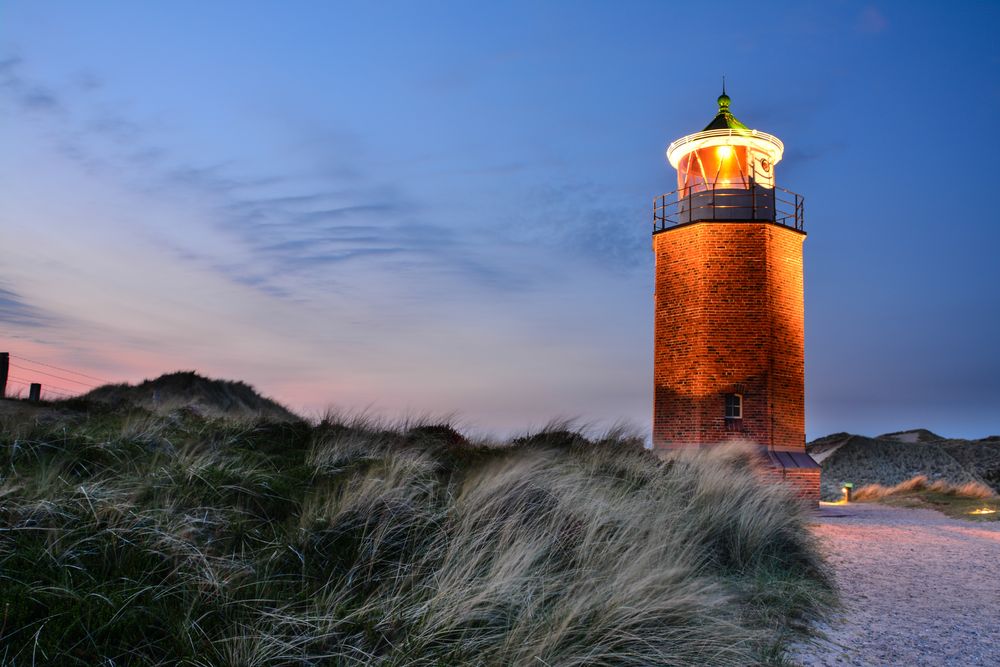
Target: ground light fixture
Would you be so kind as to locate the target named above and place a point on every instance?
(983, 510)
(847, 488)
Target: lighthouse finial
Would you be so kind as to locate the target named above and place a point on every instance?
(723, 98)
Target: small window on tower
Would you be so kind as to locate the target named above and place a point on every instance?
(734, 406)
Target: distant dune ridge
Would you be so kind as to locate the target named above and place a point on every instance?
(187, 389)
(893, 458)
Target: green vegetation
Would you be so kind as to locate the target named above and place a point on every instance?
(128, 537)
(956, 500)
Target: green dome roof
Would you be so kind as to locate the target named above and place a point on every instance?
(724, 120)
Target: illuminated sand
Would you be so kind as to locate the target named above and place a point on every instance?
(920, 588)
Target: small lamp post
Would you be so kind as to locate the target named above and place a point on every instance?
(848, 489)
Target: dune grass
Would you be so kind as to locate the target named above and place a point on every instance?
(920, 483)
(129, 538)
(957, 500)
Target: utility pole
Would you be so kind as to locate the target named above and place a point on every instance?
(4, 368)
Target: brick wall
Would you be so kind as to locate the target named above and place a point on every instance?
(805, 481)
(729, 319)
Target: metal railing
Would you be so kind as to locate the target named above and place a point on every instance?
(729, 204)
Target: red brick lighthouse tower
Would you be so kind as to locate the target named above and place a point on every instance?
(729, 339)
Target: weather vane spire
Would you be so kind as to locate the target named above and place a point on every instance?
(723, 98)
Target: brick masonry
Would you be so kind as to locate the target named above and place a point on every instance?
(804, 481)
(730, 319)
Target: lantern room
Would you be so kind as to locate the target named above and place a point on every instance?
(726, 172)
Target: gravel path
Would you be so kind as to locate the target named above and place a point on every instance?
(919, 588)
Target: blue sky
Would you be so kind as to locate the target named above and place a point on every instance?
(445, 207)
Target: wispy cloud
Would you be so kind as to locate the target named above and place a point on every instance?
(302, 231)
(583, 219)
(14, 310)
(28, 95)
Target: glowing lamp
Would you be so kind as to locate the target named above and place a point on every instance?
(725, 154)
(847, 488)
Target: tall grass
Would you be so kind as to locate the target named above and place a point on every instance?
(128, 538)
(918, 483)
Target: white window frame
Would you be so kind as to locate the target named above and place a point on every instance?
(739, 405)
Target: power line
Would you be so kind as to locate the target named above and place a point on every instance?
(55, 389)
(17, 381)
(45, 391)
(53, 375)
(45, 388)
(59, 368)
(30, 382)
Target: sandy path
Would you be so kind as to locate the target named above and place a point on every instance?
(919, 589)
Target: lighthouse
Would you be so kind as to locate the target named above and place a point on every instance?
(729, 344)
